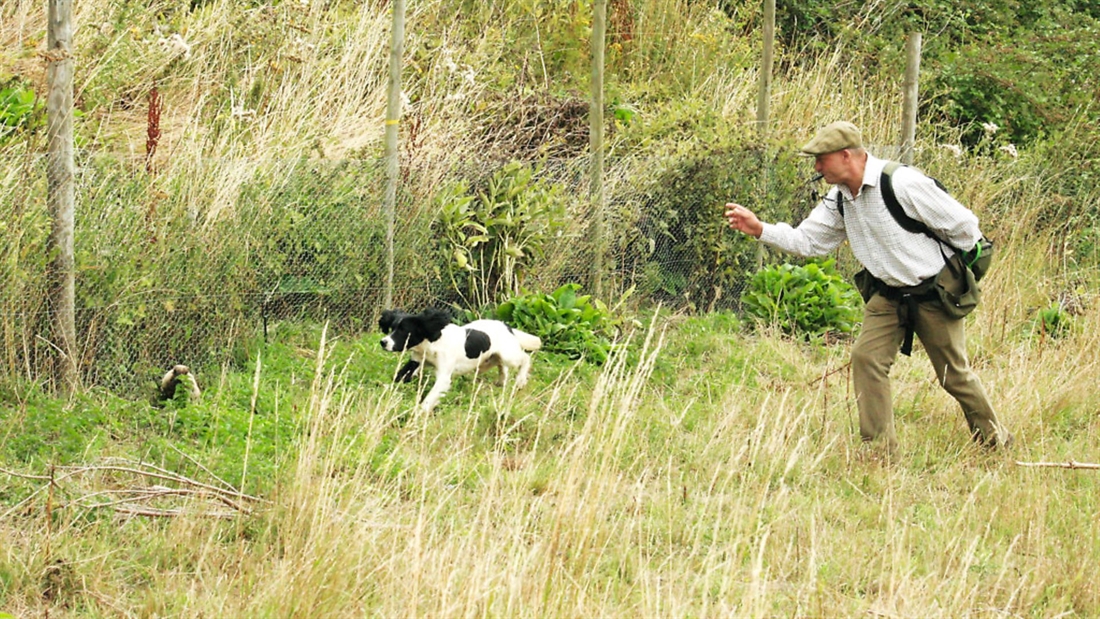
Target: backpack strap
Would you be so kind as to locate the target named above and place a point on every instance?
(886, 184)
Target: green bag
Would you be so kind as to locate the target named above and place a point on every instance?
(957, 286)
(979, 259)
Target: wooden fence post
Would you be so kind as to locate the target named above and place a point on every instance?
(60, 192)
(595, 146)
(766, 62)
(393, 119)
(762, 113)
(909, 112)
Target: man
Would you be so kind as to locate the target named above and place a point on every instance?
(898, 259)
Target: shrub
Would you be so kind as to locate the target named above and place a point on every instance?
(809, 300)
(568, 323)
(1053, 321)
(682, 244)
(20, 109)
(495, 232)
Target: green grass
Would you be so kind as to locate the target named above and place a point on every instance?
(704, 471)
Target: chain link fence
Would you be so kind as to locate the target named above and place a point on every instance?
(198, 264)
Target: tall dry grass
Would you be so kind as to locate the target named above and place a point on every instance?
(760, 502)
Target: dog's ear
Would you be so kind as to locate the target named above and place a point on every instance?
(388, 321)
(433, 321)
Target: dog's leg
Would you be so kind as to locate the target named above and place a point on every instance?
(524, 371)
(493, 361)
(406, 373)
(441, 386)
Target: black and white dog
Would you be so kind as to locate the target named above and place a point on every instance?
(387, 323)
(452, 350)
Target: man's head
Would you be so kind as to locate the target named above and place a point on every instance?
(838, 153)
(841, 135)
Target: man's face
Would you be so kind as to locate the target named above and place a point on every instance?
(832, 166)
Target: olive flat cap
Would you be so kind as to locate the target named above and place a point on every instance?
(833, 137)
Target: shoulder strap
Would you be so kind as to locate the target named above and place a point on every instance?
(887, 186)
(905, 221)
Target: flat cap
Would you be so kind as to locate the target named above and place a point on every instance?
(833, 137)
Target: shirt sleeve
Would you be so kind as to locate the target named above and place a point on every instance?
(945, 216)
(817, 235)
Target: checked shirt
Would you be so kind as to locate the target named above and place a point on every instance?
(894, 255)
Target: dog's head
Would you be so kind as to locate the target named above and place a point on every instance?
(409, 330)
(388, 322)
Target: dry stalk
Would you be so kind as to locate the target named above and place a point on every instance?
(1061, 465)
(125, 500)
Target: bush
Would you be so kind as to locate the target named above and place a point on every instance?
(1026, 67)
(20, 109)
(493, 233)
(1053, 321)
(809, 300)
(682, 244)
(574, 325)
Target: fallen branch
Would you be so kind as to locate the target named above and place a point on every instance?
(1061, 465)
(200, 499)
(159, 473)
(172, 513)
(138, 495)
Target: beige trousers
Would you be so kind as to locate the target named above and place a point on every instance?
(944, 340)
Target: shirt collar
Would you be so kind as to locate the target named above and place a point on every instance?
(872, 171)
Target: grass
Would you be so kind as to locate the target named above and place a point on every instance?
(705, 471)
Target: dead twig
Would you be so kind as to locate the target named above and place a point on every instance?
(25, 475)
(1061, 465)
(159, 473)
(828, 374)
(171, 513)
(134, 501)
(138, 495)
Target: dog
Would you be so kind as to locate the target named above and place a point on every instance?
(432, 339)
(387, 323)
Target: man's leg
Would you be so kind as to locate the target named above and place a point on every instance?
(873, 355)
(944, 340)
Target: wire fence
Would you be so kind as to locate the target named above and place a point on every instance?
(197, 264)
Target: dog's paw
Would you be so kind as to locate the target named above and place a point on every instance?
(407, 372)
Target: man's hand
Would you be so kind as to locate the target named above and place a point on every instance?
(743, 219)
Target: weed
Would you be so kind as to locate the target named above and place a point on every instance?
(810, 300)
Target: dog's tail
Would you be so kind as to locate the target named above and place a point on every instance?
(528, 342)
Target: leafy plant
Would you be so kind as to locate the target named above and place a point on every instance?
(20, 110)
(572, 324)
(811, 300)
(683, 246)
(1053, 321)
(493, 234)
